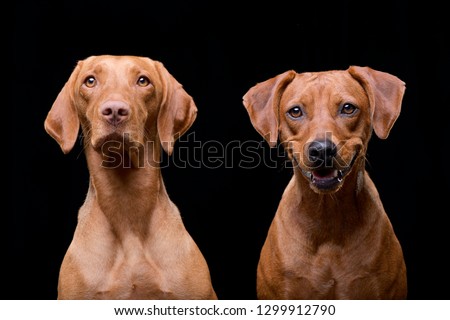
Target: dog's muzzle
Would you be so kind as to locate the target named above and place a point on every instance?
(325, 170)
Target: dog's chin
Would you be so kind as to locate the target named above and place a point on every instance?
(118, 150)
(108, 141)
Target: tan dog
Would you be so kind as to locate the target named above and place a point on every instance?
(130, 241)
(330, 237)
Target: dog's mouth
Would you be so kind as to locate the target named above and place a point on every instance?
(326, 179)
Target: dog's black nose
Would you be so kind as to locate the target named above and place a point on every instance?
(321, 153)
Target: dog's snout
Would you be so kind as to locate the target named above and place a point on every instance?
(321, 153)
(115, 112)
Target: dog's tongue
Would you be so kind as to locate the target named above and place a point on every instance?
(325, 173)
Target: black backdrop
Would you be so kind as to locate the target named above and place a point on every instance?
(218, 51)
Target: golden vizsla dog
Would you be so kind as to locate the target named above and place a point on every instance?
(130, 241)
(330, 237)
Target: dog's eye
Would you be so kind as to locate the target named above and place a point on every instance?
(295, 112)
(143, 81)
(90, 82)
(348, 109)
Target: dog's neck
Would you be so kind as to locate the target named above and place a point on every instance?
(125, 193)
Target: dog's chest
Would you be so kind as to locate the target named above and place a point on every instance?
(329, 274)
(127, 269)
(134, 279)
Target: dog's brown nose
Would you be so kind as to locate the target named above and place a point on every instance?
(115, 112)
(321, 153)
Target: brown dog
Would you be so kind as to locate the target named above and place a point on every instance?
(330, 237)
(130, 241)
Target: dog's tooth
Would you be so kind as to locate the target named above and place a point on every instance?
(340, 175)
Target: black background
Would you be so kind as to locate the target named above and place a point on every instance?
(218, 50)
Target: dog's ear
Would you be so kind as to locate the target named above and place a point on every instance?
(62, 122)
(177, 112)
(262, 104)
(385, 92)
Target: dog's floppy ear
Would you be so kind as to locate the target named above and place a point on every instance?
(177, 112)
(385, 92)
(262, 103)
(62, 122)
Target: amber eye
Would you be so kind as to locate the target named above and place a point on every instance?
(348, 109)
(90, 82)
(143, 81)
(295, 112)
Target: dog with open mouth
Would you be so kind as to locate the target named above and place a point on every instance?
(330, 237)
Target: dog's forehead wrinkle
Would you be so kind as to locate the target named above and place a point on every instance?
(107, 69)
(334, 93)
(136, 67)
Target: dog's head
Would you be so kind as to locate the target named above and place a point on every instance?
(124, 99)
(324, 120)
